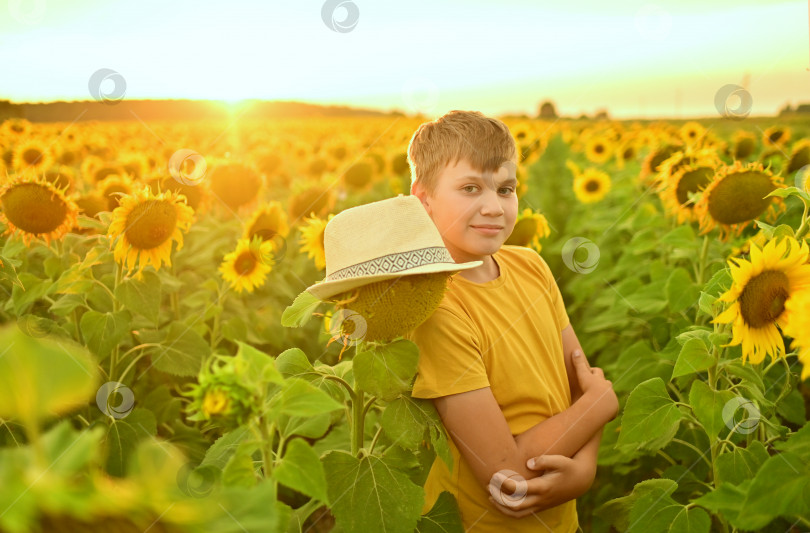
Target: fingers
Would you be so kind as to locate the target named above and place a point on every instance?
(580, 363)
(516, 513)
(548, 462)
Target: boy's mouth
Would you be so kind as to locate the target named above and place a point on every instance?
(488, 229)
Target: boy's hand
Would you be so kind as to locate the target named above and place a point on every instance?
(561, 479)
(593, 384)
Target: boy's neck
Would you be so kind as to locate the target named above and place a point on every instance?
(489, 271)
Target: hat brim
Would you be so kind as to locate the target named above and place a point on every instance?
(327, 289)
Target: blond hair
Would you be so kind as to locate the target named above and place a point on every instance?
(485, 142)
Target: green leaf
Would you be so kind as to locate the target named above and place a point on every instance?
(656, 512)
(182, 353)
(300, 398)
(238, 471)
(141, 296)
(785, 476)
(368, 495)
(104, 331)
(312, 427)
(797, 443)
(681, 291)
(708, 405)
(726, 500)
(638, 363)
(43, 377)
(617, 511)
(299, 313)
(387, 371)
(693, 357)
(301, 469)
(224, 447)
(741, 464)
(34, 289)
(443, 517)
(123, 435)
(650, 417)
(7, 271)
(404, 422)
(293, 362)
(790, 191)
(261, 366)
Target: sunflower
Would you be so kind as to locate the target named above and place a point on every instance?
(144, 226)
(246, 267)
(799, 156)
(316, 200)
(651, 163)
(744, 144)
(626, 152)
(736, 196)
(692, 133)
(590, 185)
(683, 158)
(530, 227)
(312, 239)
(358, 176)
(235, 185)
(91, 204)
(384, 310)
(31, 155)
(197, 196)
(63, 177)
(270, 223)
(675, 194)
(599, 149)
(16, 127)
(104, 170)
(113, 187)
(798, 327)
(36, 208)
(761, 287)
(776, 136)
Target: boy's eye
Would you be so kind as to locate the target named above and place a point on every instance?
(469, 187)
(509, 190)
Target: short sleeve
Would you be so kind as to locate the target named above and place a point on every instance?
(450, 360)
(556, 295)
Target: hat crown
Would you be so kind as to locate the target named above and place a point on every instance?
(373, 231)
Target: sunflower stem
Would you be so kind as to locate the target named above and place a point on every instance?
(804, 225)
(358, 415)
(704, 252)
(119, 276)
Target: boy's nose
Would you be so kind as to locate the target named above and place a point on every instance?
(491, 204)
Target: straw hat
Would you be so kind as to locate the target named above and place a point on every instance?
(382, 240)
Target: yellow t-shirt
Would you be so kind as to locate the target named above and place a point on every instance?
(504, 334)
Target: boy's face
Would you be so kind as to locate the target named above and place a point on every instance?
(467, 199)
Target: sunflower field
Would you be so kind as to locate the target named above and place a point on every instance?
(162, 368)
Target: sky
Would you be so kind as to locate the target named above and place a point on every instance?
(635, 58)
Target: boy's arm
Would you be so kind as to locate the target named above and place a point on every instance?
(476, 424)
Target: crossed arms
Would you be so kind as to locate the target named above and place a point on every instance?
(569, 440)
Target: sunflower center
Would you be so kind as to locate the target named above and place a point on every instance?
(33, 208)
(692, 181)
(31, 156)
(763, 299)
(592, 186)
(245, 263)
(598, 148)
(740, 197)
(775, 136)
(151, 223)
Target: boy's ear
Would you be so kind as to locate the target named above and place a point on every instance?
(419, 191)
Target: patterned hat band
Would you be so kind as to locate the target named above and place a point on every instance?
(392, 263)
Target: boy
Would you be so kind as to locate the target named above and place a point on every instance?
(497, 356)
